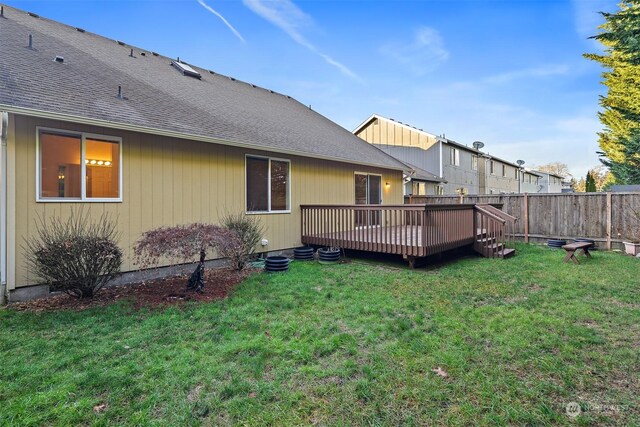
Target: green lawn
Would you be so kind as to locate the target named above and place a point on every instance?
(351, 344)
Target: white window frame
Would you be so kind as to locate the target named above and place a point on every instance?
(455, 156)
(246, 190)
(439, 190)
(83, 167)
(373, 174)
(492, 167)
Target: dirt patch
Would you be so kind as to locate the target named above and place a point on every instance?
(159, 292)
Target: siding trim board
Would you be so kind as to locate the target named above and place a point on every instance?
(4, 123)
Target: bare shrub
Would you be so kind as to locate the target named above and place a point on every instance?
(75, 255)
(182, 242)
(246, 233)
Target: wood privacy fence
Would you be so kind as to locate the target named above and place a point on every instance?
(603, 217)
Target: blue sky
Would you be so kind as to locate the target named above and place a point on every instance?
(508, 73)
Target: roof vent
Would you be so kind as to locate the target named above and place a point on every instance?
(2, 12)
(131, 54)
(186, 70)
(120, 94)
(143, 54)
(30, 45)
(34, 15)
(59, 59)
(211, 72)
(80, 30)
(155, 53)
(120, 43)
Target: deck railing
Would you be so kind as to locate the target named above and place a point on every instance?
(408, 230)
(494, 230)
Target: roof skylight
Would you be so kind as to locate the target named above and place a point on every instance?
(186, 70)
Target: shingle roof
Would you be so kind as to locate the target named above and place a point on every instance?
(423, 174)
(157, 96)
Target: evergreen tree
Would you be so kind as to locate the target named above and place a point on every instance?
(620, 139)
(590, 185)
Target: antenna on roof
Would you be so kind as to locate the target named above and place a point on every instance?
(30, 46)
(520, 162)
(478, 145)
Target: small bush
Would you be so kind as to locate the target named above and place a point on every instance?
(183, 242)
(245, 237)
(75, 255)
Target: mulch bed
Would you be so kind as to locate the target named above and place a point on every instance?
(153, 293)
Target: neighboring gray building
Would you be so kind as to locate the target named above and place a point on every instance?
(624, 188)
(549, 182)
(455, 168)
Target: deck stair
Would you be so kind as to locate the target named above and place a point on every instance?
(494, 232)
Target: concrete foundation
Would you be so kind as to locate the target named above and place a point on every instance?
(28, 293)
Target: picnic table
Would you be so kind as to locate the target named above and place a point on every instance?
(573, 247)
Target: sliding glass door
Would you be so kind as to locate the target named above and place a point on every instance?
(368, 192)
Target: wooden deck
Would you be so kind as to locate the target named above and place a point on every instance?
(408, 230)
(393, 240)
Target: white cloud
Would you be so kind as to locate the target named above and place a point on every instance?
(586, 16)
(222, 18)
(528, 73)
(285, 15)
(423, 54)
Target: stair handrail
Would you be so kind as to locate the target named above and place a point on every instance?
(490, 214)
(507, 220)
(497, 212)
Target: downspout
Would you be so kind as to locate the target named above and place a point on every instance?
(4, 123)
(440, 149)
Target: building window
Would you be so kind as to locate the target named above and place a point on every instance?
(517, 174)
(462, 191)
(419, 188)
(455, 156)
(492, 167)
(78, 167)
(504, 170)
(474, 163)
(439, 190)
(268, 186)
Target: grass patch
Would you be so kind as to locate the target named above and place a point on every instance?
(477, 341)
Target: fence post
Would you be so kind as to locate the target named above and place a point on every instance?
(526, 217)
(608, 220)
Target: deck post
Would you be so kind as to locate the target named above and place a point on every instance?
(526, 217)
(609, 220)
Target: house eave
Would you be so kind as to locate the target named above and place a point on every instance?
(173, 134)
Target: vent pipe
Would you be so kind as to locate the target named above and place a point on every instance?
(131, 54)
(30, 41)
(120, 93)
(1, 11)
